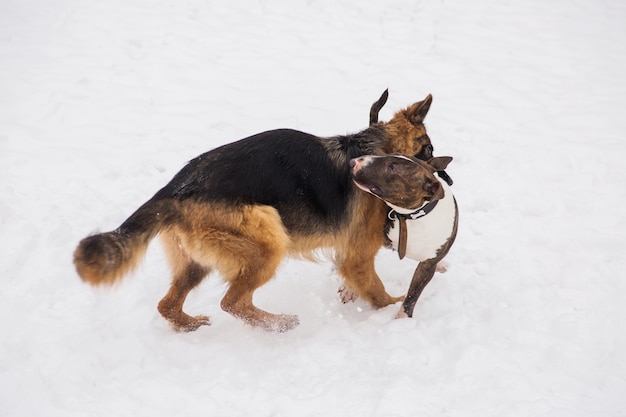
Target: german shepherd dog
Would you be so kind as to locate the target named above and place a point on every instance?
(241, 208)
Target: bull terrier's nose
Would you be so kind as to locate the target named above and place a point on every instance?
(355, 162)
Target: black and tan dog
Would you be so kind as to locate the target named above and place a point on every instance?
(241, 208)
(421, 230)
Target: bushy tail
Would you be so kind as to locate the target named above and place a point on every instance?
(106, 257)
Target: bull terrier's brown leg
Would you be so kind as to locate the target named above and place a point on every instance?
(422, 276)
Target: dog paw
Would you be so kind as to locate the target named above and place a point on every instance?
(286, 322)
(189, 324)
(347, 294)
(279, 323)
(401, 314)
(442, 267)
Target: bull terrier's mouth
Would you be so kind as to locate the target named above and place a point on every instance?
(372, 189)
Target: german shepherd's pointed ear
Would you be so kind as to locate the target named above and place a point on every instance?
(416, 112)
(377, 106)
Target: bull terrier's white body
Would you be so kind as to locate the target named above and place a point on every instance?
(427, 234)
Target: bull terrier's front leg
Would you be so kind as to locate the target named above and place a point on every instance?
(422, 276)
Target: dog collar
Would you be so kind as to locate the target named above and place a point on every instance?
(420, 212)
(403, 217)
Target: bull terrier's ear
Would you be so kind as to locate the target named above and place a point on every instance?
(440, 162)
(417, 111)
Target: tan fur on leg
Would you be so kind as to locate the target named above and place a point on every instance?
(355, 256)
(186, 275)
(245, 244)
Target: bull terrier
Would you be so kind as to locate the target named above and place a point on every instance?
(423, 211)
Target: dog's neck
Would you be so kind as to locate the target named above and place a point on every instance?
(411, 214)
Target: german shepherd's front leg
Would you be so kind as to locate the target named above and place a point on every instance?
(355, 258)
(361, 277)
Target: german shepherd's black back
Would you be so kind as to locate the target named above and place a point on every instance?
(306, 178)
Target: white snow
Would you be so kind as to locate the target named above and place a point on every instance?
(102, 102)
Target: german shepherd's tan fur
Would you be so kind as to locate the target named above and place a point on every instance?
(208, 220)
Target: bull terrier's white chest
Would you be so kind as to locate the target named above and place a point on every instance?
(426, 235)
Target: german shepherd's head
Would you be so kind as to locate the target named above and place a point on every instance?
(405, 132)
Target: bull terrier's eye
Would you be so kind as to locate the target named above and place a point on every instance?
(392, 167)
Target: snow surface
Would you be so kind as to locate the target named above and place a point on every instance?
(102, 102)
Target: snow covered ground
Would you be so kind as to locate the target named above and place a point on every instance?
(102, 102)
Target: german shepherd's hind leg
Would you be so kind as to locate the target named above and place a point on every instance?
(187, 274)
(238, 302)
(245, 244)
(257, 257)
